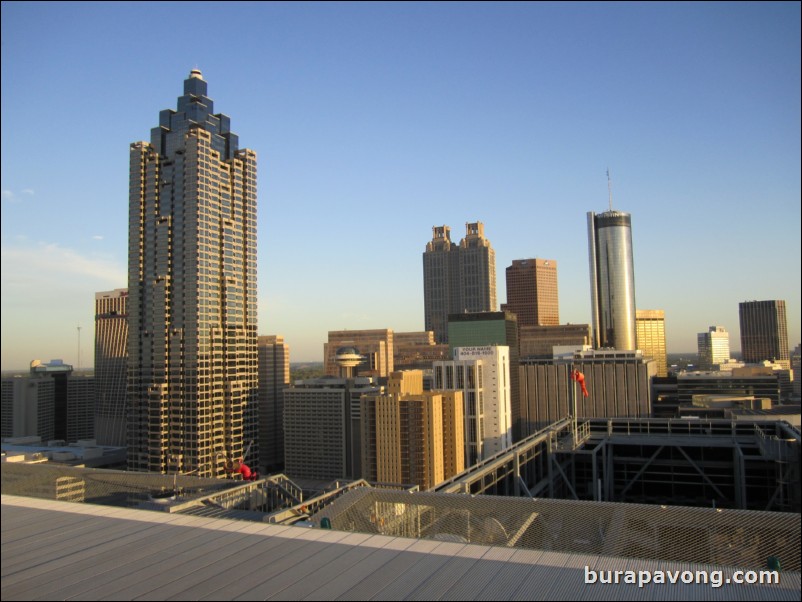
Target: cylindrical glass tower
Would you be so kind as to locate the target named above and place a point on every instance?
(612, 280)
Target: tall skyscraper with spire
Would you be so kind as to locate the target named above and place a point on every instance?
(193, 367)
(612, 279)
(457, 278)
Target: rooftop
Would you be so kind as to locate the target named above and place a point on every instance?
(58, 550)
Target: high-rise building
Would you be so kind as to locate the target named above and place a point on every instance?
(457, 278)
(274, 377)
(193, 374)
(612, 280)
(28, 407)
(764, 332)
(532, 292)
(483, 376)
(80, 408)
(111, 365)
(322, 427)
(796, 367)
(375, 346)
(713, 347)
(492, 328)
(650, 330)
(411, 436)
(60, 373)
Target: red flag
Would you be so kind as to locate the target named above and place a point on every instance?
(580, 378)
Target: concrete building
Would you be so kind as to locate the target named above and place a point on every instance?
(532, 292)
(482, 374)
(417, 350)
(274, 377)
(766, 368)
(193, 367)
(59, 373)
(714, 348)
(457, 278)
(28, 407)
(111, 366)
(410, 436)
(322, 427)
(612, 280)
(618, 383)
(764, 332)
(650, 329)
(80, 408)
(796, 367)
(760, 385)
(540, 341)
(482, 329)
(375, 346)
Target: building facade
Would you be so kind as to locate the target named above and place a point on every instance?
(411, 436)
(540, 341)
(274, 377)
(532, 292)
(482, 374)
(323, 427)
(192, 376)
(713, 348)
(764, 332)
(111, 366)
(457, 277)
(417, 350)
(60, 373)
(761, 384)
(375, 346)
(612, 280)
(650, 330)
(491, 328)
(28, 407)
(618, 384)
(80, 408)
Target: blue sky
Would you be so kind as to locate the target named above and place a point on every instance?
(374, 122)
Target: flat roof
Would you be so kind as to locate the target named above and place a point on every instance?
(58, 550)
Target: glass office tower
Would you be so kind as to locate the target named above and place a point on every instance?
(612, 280)
(193, 371)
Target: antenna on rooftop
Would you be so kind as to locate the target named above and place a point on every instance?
(610, 188)
(78, 366)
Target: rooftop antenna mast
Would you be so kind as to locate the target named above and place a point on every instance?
(610, 188)
(78, 367)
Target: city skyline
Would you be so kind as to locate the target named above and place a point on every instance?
(375, 123)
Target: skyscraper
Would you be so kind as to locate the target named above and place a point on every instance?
(274, 377)
(532, 292)
(192, 378)
(457, 278)
(612, 280)
(713, 347)
(410, 435)
(493, 328)
(650, 329)
(483, 376)
(111, 364)
(764, 332)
